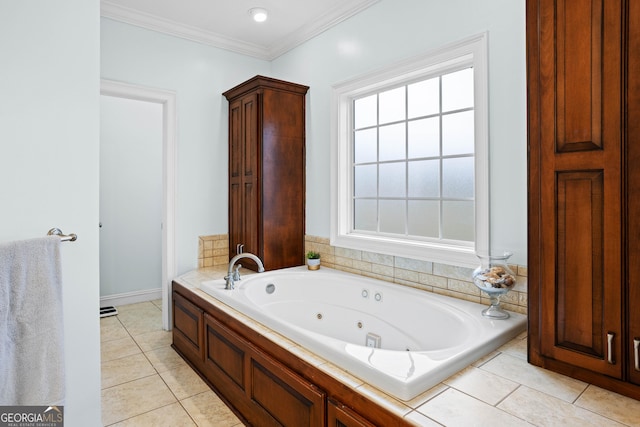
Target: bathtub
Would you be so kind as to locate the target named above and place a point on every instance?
(398, 339)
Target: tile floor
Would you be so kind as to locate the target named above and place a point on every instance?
(145, 383)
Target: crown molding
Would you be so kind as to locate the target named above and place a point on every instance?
(302, 34)
(167, 26)
(321, 24)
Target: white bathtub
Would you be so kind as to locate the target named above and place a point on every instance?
(424, 338)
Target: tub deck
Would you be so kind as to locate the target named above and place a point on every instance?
(425, 337)
(352, 388)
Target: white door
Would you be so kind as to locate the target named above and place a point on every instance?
(131, 197)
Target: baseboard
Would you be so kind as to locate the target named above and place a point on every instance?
(131, 297)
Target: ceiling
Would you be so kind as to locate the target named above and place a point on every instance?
(227, 24)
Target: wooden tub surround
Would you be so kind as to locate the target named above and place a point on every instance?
(251, 369)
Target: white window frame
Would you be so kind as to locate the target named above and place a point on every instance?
(471, 52)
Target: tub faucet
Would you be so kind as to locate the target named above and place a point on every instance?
(232, 276)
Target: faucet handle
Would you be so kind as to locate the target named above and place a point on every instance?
(236, 272)
(229, 279)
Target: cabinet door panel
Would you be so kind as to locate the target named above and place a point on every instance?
(250, 142)
(187, 327)
(235, 140)
(224, 353)
(284, 395)
(578, 77)
(580, 282)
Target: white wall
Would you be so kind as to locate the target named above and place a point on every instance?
(198, 74)
(49, 124)
(130, 196)
(389, 31)
(393, 30)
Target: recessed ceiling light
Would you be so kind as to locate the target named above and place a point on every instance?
(259, 14)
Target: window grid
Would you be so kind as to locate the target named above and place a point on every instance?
(407, 198)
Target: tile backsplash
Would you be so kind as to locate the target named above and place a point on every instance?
(213, 250)
(429, 276)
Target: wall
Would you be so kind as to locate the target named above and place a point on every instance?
(49, 133)
(198, 74)
(389, 31)
(392, 30)
(130, 196)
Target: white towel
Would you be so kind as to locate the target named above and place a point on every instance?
(31, 327)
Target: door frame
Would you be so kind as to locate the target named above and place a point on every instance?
(169, 159)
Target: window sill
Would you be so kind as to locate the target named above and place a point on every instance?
(425, 251)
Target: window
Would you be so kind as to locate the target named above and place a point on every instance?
(410, 157)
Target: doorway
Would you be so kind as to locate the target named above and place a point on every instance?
(149, 100)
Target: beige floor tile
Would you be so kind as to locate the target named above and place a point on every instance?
(112, 329)
(139, 307)
(137, 323)
(132, 311)
(209, 411)
(453, 408)
(152, 340)
(116, 349)
(184, 382)
(482, 385)
(172, 415)
(544, 410)
(134, 398)
(612, 405)
(515, 347)
(124, 369)
(164, 359)
(518, 370)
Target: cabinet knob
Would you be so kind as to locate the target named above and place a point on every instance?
(636, 353)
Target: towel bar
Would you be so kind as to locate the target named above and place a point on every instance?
(63, 237)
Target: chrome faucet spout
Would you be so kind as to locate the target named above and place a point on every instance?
(231, 277)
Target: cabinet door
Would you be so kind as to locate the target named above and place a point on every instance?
(285, 396)
(236, 228)
(263, 390)
(340, 416)
(576, 185)
(225, 357)
(633, 189)
(244, 141)
(187, 328)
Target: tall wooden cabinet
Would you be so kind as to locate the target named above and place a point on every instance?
(583, 64)
(267, 171)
